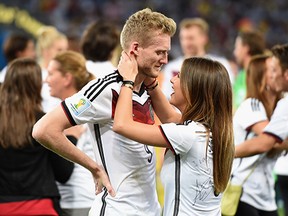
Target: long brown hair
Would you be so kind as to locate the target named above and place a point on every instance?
(256, 82)
(20, 100)
(207, 89)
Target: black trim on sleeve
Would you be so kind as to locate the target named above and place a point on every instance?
(165, 137)
(277, 138)
(67, 113)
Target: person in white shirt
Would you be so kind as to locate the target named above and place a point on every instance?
(200, 147)
(251, 117)
(99, 44)
(129, 165)
(276, 130)
(193, 37)
(67, 74)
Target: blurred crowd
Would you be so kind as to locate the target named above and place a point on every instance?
(225, 18)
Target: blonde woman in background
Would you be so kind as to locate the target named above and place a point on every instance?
(49, 42)
(67, 75)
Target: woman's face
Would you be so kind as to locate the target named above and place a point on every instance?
(177, 97)
(55, 79)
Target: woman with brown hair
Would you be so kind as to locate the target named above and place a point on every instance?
(27, 169)
(200, 147)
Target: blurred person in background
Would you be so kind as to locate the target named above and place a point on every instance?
(28, 171)
(275, 134)
(247, 44)
(194, 38)
(99, 44)
(67, 74)
(251, 117)
(49, 42)
(15, 46)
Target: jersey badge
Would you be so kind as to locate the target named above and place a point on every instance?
(80, 106)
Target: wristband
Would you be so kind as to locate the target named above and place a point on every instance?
(128, 82)
(128, 85)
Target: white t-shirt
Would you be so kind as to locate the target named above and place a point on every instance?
(258, 190)
(100, 69)
(187, 172)
(173, 68)
(130, 165)
(278, 125)
(79, 190)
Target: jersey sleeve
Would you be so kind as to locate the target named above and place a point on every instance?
(250, 112)
(181, 137)
(88, 106)
(278, 125)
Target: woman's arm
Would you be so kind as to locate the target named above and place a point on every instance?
(257, 145)
(259, 127)
(123, 119)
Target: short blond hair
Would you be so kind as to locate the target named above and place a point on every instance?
(199, 22)
(141, 25)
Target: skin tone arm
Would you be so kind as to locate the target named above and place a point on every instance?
(49, 131)
(260, 144)
(257, 145)
(123, 120)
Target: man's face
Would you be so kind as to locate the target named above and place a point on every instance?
(192, 41)
(278, 76)
(240, 51)
(152, 57)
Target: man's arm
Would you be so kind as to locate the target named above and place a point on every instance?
(49, 131)
(257, 145)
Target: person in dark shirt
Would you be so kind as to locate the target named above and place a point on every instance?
(27, 170)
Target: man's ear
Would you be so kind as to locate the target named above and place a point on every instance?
(135, 48)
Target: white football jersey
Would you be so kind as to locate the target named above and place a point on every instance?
(129, 165)
(187, 172)
(258, 190)
(278, 125)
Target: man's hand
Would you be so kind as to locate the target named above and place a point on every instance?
(101, 180)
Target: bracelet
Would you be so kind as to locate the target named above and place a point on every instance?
(147, 86)
(153, 87)
(128, 82)
(128, 85)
